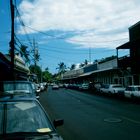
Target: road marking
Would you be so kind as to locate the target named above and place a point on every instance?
(112, 120)
(131, 120)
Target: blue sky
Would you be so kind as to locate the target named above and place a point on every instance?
(64, 30)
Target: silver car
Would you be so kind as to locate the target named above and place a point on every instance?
(132, 91)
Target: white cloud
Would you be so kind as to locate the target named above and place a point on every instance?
(93, 40)
(101, 19)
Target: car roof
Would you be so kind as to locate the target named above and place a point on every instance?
(134, 86)
(116, 84)
(16, 81)
(10, 97)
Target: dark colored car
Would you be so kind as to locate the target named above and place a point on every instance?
(25, 119)
(18, 88)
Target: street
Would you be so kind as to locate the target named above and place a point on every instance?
(92, 117)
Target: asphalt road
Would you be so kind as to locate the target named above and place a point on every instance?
(92, 117)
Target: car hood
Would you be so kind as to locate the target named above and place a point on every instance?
(50, 137)
(34, 137)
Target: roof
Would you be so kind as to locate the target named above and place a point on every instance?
(129, 44)
(125, 46)
(86, 74)
(135, 25)
(90, 73)
(103, 70)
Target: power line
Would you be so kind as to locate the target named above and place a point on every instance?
(71, 52)
(62, 52)
(78, 41)
(23, 25)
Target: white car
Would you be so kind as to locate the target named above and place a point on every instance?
(38, 88)
(113, 89)
(132, 91)
(116, 89)
(42, 87)
(104, 88)
(85, 86)
(55, 86)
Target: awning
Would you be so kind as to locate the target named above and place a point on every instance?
(129, 44)
(86, 74)
(125, 46)
(97, 71)
(104, 70)
(90, 73)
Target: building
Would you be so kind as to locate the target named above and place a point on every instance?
(21, 70)
(113, 70)
(104, 71)
(4, 68)
(130, 64)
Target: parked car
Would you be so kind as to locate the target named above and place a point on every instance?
(55, 86)
(18, 88)
(85, 86)
(132, 91)
(24, 118)
(42, 86)
(115, 89)
(66, 85)
(38, 89)
(97, 86)
(104, 88)
(61, 85)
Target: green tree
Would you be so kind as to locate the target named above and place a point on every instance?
(24, 53)
(72, 67)
(86, 62)
(47, 76)
(81, 65)
(61, 67)
(35, 69)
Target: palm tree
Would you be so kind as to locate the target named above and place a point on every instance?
(24, 53)
(81, 65)
(72, 67)
(86, 62)
(61, 67)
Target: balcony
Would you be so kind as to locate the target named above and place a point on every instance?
(124, 62)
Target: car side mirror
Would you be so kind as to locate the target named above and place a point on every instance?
(58, 122)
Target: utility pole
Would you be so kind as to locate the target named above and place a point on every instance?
(12, 42)
(90, 55)
(35, 51)
(34, 47)
(41, 74)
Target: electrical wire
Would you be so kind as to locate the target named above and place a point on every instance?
(78, 41)
(23, 25)
(71, 51)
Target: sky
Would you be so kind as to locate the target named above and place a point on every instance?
(69, 31)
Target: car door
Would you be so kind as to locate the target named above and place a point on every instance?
(137, 92)
(128, 92)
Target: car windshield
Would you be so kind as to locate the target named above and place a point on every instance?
(17, 87)
(23, 117)
(137, 88)
(117, 86)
